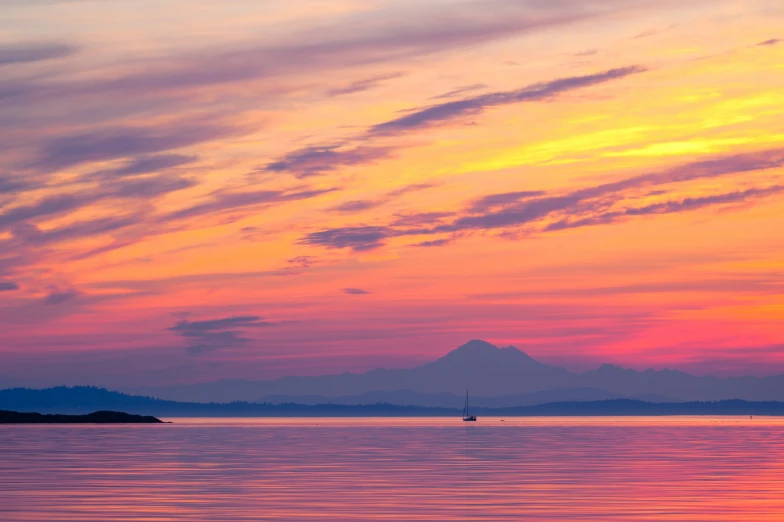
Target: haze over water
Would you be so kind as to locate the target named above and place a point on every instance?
(589, 469)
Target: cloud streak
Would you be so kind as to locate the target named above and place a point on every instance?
(123, 142)
(223, 201)
(215, 334)
(8, 286)
(37, 52)
(668, 207)
(361, 205)
(588, 206)
(355, 291)
(316, 160)
(358, 239)
(51, 206)
(58, 297)
(146, 165)
(475, 105)
(363, 85)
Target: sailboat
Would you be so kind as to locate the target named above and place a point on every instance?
(466, 416)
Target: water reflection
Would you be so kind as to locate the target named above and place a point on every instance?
(593, 469)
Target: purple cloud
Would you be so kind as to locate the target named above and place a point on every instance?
(215, 334)
(8, 286)
(588, 206)
(435, 242)
(667, 207)
(460, 90)
(26, 53)
(146, 165)
(225, 201)
(313, 161)
(145, 188)
(355, 291)
(361, 205)
(13, 184)
(478, 104)
(356, 238)
(493, 201)
(363, 85)
(58, 297)
(358, 205)
(122, 142)
(316, 160)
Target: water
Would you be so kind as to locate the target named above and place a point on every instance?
(713, 469)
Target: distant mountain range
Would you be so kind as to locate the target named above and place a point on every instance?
(450, 400)
(496, 377)
(81, 400)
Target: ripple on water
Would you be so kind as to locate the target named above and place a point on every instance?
(712, 469)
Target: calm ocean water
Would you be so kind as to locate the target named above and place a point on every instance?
(711, 469)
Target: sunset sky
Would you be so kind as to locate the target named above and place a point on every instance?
(194, 190)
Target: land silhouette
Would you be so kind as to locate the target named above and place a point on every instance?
(98, 417)
(74, 401)
(497, 378)
(503, 381)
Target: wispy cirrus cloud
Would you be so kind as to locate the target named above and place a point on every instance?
(60, 204)
(314, 160)
(601, 204)
(358, 239)
(363, 85)
(475, 105)
(420, 219)
(222, 201)
(374, 40)
(104, 144)
(358, 205)
(668, 207)
(145, 165)
(361, 205)
(435, 242)
(28, 234)
(48, 206)
(13, 184)
(492, 201)
(460, 90)
(33, 52)
(90, 114)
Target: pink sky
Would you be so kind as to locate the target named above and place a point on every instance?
(199, 190)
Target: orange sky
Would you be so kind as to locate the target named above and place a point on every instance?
(196, 190)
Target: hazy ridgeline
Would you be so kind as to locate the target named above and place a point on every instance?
(502, 381)
(496, 378)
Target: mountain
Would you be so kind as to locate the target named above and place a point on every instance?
(76, 400)
(79, 400)
(488, 372)
(477, 365)
(683, 386)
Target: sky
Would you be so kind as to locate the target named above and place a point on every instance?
(194, 190)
